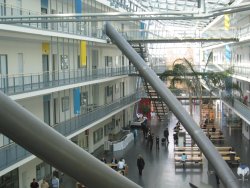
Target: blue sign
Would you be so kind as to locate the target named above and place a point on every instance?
(76, 93)
(228, 54)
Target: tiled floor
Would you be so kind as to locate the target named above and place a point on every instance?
(160, 171)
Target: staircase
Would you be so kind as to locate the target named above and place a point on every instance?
(160, 107)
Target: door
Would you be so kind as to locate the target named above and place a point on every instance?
(20, 80)
(122, 92)
(46, 109)
(44, 10)
(94, 62)
(2, 7)
(45, 59)
(18, 10)
(55, 73)
(3, 72)
(123, 62)
(55, 111)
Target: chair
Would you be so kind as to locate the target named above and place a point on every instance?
(243, 170)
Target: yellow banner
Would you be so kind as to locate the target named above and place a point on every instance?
(83, 54)
(45, 48)
(226, 22)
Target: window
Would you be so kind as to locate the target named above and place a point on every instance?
(108, 61)
(108, 128)
(43, 171)
(10, 179)
(64, 62)
(98, 135)
(84, 99)
(65, 103)
(108, 91)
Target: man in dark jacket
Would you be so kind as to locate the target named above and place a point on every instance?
(34, 184)
(166, 133)
(140, 164)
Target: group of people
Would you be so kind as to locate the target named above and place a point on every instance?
(115, 164)
(45, 184)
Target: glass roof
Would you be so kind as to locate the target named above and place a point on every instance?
(192, 6)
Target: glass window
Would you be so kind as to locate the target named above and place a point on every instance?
(98, 135)
(108, 128)
(43, 170)
(10, 180)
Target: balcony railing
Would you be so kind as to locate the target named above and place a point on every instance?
(13, 153)
(16, 84)
(238, 70)
(235, 102)
(87, 29)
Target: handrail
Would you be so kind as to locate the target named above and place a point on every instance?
(19, 84)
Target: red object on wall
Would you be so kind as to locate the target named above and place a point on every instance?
(145, 102)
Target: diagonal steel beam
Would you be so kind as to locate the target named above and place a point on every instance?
(43, 141)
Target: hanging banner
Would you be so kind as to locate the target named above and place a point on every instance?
(78, 6)
(226, 22)
(76, 93)
(45, 48)
(228, 54)
(83, 54)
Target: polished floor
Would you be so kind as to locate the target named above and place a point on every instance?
(160, 171)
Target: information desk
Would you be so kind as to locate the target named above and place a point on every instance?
(122, 144)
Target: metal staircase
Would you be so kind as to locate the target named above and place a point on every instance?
(159, 106)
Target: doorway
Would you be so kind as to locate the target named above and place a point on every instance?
(55, 73)
(45, 59)
(3, 72)
(2, 7)
(46, 109)
(20, 80)
(55, 111)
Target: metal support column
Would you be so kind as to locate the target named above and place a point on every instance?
(221, 167)
(43, 141)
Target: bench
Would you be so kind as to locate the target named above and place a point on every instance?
(213, 133)
(191, 160)
(223, 153)
(224, 148)
(187, 148)
(188, 153)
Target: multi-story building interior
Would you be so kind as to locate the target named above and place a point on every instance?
(69, 74)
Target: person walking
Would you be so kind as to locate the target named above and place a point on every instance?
(34, 184)
(44, 184)
(55, 182)
(140, 164)
(166, 134)
(157, 142)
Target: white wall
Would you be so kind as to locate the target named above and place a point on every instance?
(27, 172)
(34, 5)
(34, 105)
(32, 57)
